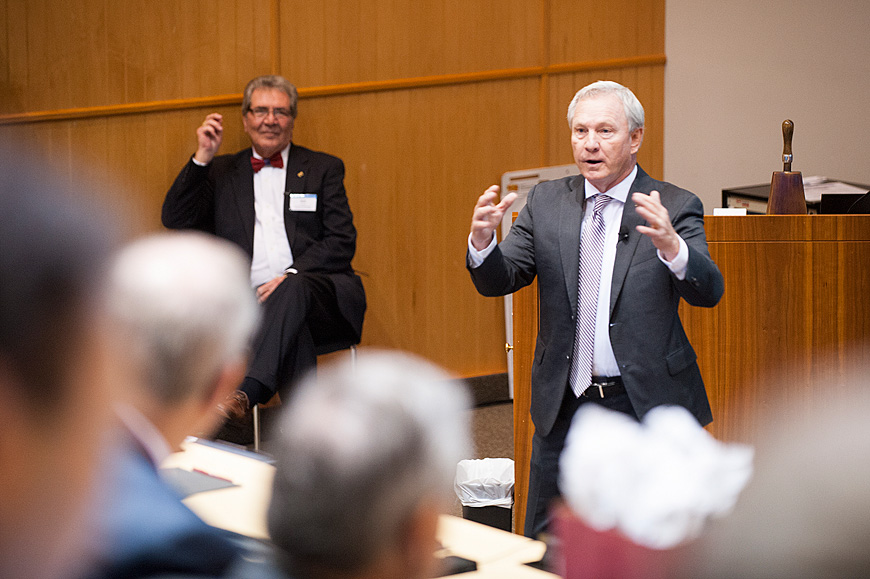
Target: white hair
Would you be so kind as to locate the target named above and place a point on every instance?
(633, 109)
(361, 446)
(185, 307)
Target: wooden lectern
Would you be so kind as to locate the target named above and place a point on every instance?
(794, 320)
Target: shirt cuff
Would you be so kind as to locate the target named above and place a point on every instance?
(475, 258)
(680, 263)
(197, 163)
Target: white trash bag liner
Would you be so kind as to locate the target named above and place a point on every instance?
(485, 482)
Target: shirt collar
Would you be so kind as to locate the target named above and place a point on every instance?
(145, 433)
(619, 191)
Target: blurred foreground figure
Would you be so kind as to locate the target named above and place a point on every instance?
(53, 382)
(637, 493)
(805, 513)
(365, 467)
(183, 314)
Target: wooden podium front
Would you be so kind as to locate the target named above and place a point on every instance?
(793, 324)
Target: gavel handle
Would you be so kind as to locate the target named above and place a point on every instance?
(787, 134)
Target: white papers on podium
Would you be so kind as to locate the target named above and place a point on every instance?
(815, 186)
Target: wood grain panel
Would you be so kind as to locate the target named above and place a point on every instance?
(525, 332)
(93, 52)
(793, 323)
(327, 42)
(611, 29)
(136, 156)
(415, 166)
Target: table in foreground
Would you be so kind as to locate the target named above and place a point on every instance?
(241, 508)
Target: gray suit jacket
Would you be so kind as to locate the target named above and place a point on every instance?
(657, 363)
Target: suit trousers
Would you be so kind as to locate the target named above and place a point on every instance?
(544, 467)
(299, 314)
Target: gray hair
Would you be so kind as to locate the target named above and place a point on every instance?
(184, 305)
(361, 447)
(271, 81)
(633, 108)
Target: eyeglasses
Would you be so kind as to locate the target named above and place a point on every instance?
(263, 112)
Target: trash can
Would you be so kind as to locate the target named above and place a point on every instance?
(485, 488)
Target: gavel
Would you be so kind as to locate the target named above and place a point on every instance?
(787, 186)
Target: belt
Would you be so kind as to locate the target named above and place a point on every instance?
(604, 387)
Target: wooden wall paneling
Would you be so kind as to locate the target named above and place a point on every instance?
(347, 41)
(13, 56)
(591, 30)
(650, 83)
(95, 53)
(416, 162)
(135, 156)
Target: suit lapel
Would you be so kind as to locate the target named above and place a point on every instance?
(625, 249)
(243, 185)
(570, 217)
(297, 175)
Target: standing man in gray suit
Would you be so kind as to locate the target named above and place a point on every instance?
(614, 250)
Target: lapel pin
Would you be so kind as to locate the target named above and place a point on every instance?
(300, 173)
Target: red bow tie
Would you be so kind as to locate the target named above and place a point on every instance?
(275, 160)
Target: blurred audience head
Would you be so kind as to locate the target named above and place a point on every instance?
(184, 313)
(54, 381)
(367, 456)
(805, 513)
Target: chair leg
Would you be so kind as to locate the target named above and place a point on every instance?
(256, 413)
(256, 409)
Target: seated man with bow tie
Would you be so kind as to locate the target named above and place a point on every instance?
(286, 206)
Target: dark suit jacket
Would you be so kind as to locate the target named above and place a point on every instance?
(657, 363)
(219, 199)
(145, 530)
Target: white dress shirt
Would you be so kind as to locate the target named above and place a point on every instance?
(603, 360)
(272, 254)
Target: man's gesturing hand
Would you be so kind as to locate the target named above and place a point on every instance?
(208, 137)
(658, 228)
(487, 216)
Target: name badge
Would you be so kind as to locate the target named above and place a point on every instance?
(303, 201)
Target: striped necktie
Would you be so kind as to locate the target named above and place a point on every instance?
(591, 251)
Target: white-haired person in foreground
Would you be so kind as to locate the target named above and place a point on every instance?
(365, 465)
(184, 313)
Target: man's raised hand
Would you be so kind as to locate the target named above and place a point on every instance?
(208, 137)
(487, 216)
